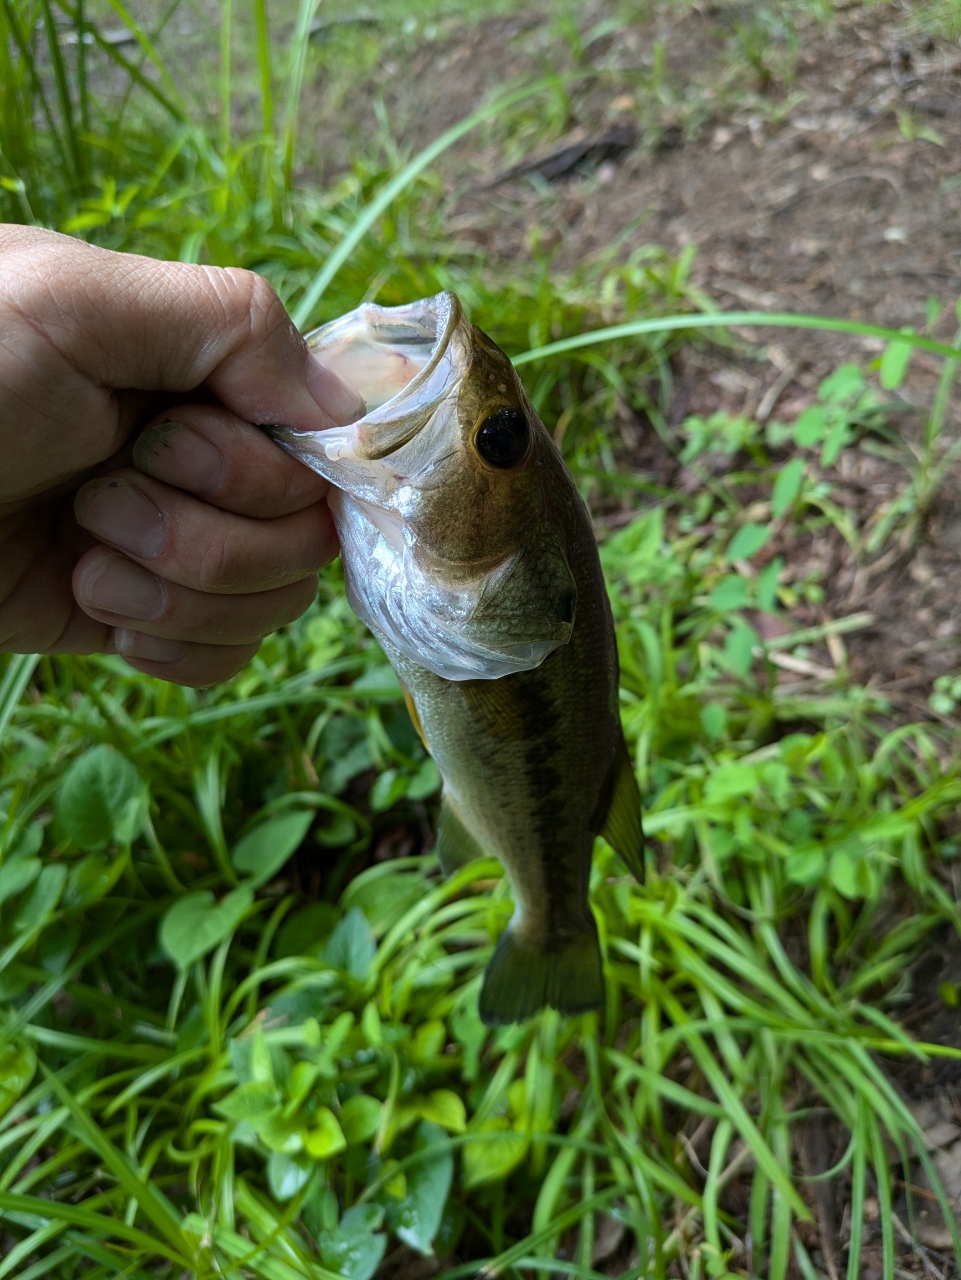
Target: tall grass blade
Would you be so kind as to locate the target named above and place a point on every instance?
(300, 44)
(20, 667)
(724, 319)
(389, 192)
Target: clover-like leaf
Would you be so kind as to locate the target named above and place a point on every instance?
(263, 851)
(194, 924)
(102, 799)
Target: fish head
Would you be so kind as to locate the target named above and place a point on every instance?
(454, 545)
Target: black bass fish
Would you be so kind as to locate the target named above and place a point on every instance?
(470, 555)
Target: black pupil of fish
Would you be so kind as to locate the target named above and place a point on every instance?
(503, 438)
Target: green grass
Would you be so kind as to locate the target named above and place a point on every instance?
(220, 1060)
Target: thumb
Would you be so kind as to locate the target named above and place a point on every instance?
(129, 322)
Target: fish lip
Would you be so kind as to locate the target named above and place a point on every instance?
(445, 301)
(346, 444)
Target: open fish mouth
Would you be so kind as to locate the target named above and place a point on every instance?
(402, 361)
(409, 364)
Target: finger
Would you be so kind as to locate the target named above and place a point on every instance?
(125, 321)
(211, 452)
(179, 662)
(191, 543)
(114, 590)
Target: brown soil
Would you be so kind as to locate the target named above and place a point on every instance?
(836, 193)
(824, 182)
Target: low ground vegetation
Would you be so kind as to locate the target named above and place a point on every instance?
(239, 1026)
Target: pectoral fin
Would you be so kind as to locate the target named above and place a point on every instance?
(411, 706)
(455, 845)
(622, 825)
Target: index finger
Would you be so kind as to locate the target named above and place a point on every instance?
(127, 322)
(210, 452)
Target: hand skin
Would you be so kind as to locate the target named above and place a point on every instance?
(141, 511)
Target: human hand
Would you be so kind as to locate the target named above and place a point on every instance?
(141, 512)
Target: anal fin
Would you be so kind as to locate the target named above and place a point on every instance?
(455, 845)
(622, 824)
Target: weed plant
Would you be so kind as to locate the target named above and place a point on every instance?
(239, 1031)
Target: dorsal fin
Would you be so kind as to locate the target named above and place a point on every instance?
(622, 824)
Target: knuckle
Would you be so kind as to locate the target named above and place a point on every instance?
(216, 568)
(264, 312)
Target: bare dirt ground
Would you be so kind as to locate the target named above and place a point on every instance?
(824, 179)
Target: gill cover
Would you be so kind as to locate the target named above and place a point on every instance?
(411, 484)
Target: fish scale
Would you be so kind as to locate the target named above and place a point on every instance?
(470, 554)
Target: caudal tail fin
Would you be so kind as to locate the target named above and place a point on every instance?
(565, 973)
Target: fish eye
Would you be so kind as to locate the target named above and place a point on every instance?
(503, 438)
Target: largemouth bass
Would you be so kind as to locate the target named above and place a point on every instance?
(468, 552)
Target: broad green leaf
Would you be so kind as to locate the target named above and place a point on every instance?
(425, 781)
(286, 1175)
(416, 1219)
(739, 647)
(729, 781)
(387, 790)
(102, 799)
(730, 593)
(428, 1041)
(894, 364)
(57, 944)
(381, 680)
(360, 1117)
(16, 874)
(326, 1138)
(262, 852)
(810, 426)
(767, 585)
(629, 552)
(351, 946)
(383, 895)
(851, 873)
(748, 541)
(338, 830)
(355, 1248)
(714, 719)
(24, 845)
(279, 1132)
(445, 1108)
(195, 925)
(42, 899)
(305, 929)
(837, 437)
(250, 1102)
(806, 866)
(321, 1209)
(787, 486)
(91, 878)
(496, 1150)
(846, 382)
(18, 1063)
(470, 1031)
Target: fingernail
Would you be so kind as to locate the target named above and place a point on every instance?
(117, 585)
(179, 455)
(122, 515)
(135, 644)
(337, 398)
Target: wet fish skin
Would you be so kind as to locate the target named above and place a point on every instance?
(526, 762)
(483, 585)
